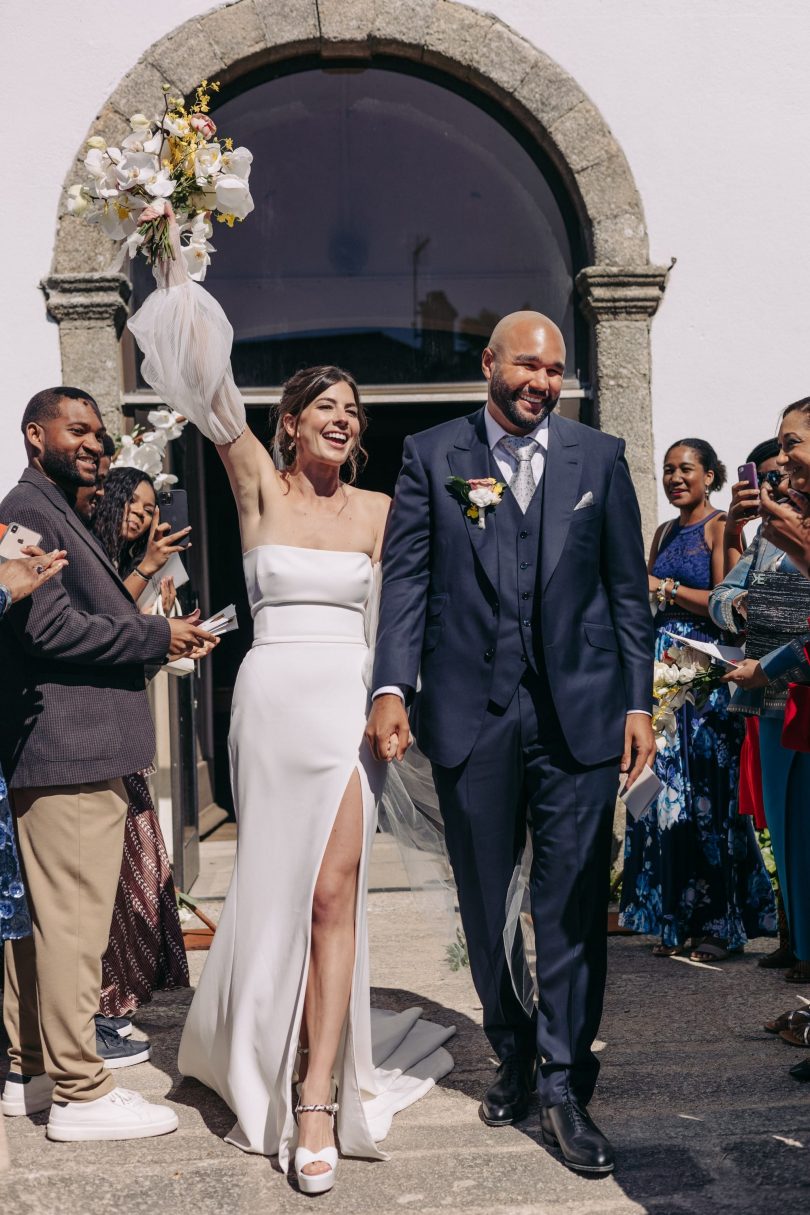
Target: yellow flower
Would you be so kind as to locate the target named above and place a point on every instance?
(229, 144)
(226, 219)
(472, 512)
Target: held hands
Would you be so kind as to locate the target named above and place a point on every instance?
(160, 546)
(639, 746)
(188, 640)
(388, 732)
(24, 575)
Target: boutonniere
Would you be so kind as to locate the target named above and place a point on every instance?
(479, 495)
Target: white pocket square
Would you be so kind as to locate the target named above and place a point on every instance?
(585, 500)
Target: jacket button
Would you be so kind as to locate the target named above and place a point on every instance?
(526, 623)
(526, 595)
(496, 607)
(524, 535)
(523, 658)
(524, 565)
(489, 654)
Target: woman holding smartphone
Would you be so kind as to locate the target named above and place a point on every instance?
(767, 597)
(692, 866)
(146, 951)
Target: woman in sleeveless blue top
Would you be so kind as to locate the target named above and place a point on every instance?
(692, 866)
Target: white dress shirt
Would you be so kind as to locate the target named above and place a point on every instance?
(505, 459)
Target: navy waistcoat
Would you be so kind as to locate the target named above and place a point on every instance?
(518, 593)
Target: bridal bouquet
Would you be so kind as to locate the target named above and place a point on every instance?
(683, 676)
(179, 157)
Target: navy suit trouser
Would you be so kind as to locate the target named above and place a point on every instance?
(520, 771)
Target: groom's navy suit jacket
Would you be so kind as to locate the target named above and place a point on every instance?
(444, 591)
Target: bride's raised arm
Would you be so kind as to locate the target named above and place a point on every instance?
(186, 341)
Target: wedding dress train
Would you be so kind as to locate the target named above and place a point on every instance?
(296, 741)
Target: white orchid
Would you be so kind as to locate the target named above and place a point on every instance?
(143, 140)
(79, 199)
(179, 127)
(164, 480)
(237, 163)
(135, 169)
(197, 258)
(233, 196)
(101, 167)
(97, 142)
(144, 456)
(138, 121)
(161, 185)
(207, 162)
(201, 229)
(167, 422)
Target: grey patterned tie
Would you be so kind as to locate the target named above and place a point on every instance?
(523, 483)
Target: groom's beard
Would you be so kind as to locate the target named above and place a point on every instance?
(509, 401)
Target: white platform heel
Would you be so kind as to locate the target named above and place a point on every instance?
(316, 1183)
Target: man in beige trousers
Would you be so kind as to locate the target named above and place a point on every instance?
(74, 719)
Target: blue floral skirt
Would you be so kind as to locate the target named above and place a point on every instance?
(15, 921)
(692, 866)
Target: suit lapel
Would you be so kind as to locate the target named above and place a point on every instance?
(58, 499)
(561, 476)
(470, 458)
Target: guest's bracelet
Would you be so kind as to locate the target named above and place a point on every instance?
(661, 593)
(676, 586)
(141, 574)
(5, 599)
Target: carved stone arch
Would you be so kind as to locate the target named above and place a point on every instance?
(620, 290)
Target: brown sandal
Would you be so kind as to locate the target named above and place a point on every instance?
(666, 951)
(789, 1020)
(800, 1036)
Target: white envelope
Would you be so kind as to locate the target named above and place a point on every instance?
(642, 793)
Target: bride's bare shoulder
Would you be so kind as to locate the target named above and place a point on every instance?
(370, 500)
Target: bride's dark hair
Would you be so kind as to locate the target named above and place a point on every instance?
(301, 390)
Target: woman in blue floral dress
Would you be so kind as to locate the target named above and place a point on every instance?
(692, 866)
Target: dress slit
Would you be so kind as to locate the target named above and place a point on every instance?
(345, 1053)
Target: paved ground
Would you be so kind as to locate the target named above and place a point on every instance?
(694, 1094)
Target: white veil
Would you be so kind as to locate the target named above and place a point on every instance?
(409, 813)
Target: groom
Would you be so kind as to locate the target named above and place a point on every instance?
(531, 641)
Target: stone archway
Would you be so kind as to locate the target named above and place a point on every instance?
(620, 291)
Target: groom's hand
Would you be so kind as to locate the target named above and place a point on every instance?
(639, 746)
(388, 731)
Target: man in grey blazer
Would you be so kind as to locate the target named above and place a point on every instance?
(74, 719)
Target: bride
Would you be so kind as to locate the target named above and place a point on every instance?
(284, 995)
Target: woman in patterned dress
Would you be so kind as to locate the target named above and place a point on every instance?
(146, 951)
(18, 579)
(692, 867)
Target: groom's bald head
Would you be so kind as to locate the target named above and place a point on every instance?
(524, 364)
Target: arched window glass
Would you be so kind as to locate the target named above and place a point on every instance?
(396, 221)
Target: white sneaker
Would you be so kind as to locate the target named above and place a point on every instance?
(26, 1094)
(121, 1114)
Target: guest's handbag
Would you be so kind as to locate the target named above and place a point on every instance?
(796, 727)
(778, 607)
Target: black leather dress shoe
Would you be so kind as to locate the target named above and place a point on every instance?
(584, 1148)
(507, 1100)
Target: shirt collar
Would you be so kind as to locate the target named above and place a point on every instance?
(495, 432)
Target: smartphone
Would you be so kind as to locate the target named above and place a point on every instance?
(173, 506)
(14, 538)
(748, 472)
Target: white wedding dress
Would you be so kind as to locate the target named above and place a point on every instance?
(296, 740)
